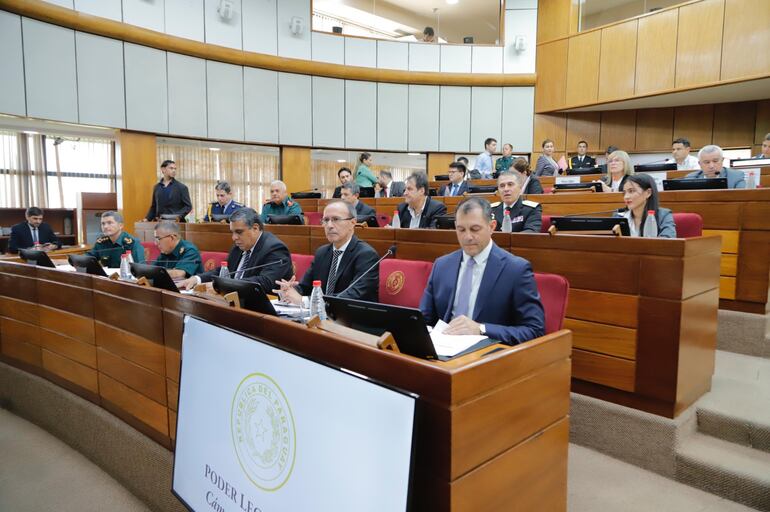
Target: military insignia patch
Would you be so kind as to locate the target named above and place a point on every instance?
(395, 282)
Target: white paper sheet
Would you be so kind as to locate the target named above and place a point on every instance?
(451, 344)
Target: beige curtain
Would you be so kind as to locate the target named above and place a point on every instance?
(323, 174)
(22, 171)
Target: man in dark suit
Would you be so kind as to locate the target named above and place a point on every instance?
(344, 176)
(337, 264)
(418, 210)
(386, 187)
(350, 193)
(32, 232)
(526, 216)
(483, 289)
(581, 160)
(169, 196)
(457, 185)
(253, 247)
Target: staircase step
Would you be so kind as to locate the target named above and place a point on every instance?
(734, 472)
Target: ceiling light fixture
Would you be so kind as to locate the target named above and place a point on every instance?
(452, 2)
(213, 149)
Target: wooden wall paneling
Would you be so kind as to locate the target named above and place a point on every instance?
(699, 43)
(763, 121)
(70, 370)
(735, 124)
(83, 353)
(656, 357)
(551, 70)
(656, 52)
(149, 384)
(133, 348)
(438, 163)
(753, 267)
(139, 169)
(550, 126)
(295, 168)
(19, 310)
(553, 19)
(585, 126)
(746, 39)
(602, 339)
(606, 308)
(76, 327)
(654, 129)
(583, 68)
(602, 369)
(135, 404)
(696, 123)
(20, 341)
(618, 128)
(618, 61)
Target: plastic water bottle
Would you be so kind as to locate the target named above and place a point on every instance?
(125, 268)
(507, 225)
(317, 304)
(650, 226)
(396, 222)
(223, 271)
(129, 257)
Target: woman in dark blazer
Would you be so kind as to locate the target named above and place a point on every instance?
(521, 166)
(641, 196)
(546, 165)
(619, 168)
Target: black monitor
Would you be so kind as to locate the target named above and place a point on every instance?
(695, 184)
(35, 257)
(250, 294)
(573, 186)
(219, 217)
(86, 264)
(591, 224)
(366, 192)
(482, 189)
(445, 222)
(157, 276)
(583, 170)
(369, 220)
(441, 177)
(306, 195)
(284, 219)
(655, 167)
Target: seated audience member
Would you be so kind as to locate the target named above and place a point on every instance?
(505, 162)
(680, 150)
(640, 193)
(526, 216)
(484, 160)
(253, 246)
(463, 161)
(337, 264)
(224, 205)
(765, 153)
(546, 165)
(457, 185)
(533, 186)
(620, 168)
(344, 175)
(350, 192)
(711, 159)
(610, 150)
(179, 257)
(280, 203)
(418, 210)
(33, 232)
(386, 187)
(115, 242)
(582, 160)
(481, 288)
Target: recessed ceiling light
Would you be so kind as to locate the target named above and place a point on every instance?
(340, 161)
(213, 149)
(413, 154)
(452, 2)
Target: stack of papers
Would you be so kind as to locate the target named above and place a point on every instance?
(449, 345)
(286, 309)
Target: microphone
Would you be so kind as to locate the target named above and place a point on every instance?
(391, 252)
(619, 210)
(276, 262)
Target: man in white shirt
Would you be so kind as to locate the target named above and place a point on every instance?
(484, 160)
(418, 210)
(680, 150)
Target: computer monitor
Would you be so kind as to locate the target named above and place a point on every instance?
(445, 222)
(284, 219)
(306, 195)
(157, 276)
(250, 294)
(583, 170)
(695, 184)
(369, 220)
(671, 166)
(366, 192)
(441, 177)
(219, 217)
(591, 224)
(35, 257)
(86, 264)
(482, 189)
(573, 186)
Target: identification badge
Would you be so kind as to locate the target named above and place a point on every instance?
(520, 218)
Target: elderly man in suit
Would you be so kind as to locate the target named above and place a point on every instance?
(481, 288)
(711, 162)
(457, 185)
(33, 232)
(418, 210)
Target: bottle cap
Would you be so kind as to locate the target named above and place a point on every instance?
(507, 211)
(222, 263)
(123, 256)
(650, 212)
(395, 212)
(128, 252)
(316, 283)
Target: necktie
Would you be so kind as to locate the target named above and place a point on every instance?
(242, 264)
(35, 238)
(466, 283)
(333, 273)
(454, 190)
(387, 191)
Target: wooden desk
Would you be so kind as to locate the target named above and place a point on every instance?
(492, 435)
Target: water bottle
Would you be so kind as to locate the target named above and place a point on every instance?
(125, 268)
(396, 222)
(317, 304)
(507, 225)
(129, 257)
(223, 271)
(650, 226)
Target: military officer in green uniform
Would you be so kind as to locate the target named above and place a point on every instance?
(280, 203)
(526, 216)
(114, 242)
(179, 257)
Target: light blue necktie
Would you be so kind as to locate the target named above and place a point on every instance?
(466, 284)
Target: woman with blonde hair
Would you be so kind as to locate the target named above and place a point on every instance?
(619, 168)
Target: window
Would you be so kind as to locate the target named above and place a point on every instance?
(326, 163)
(596, 13)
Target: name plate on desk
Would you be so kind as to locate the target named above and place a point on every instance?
(260, 428)
(561, 180)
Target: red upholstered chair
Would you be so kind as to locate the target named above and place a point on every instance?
(300, 263)
(212, 259)
(554, 290)
(313, 218)
(546, 224)
(688, 225)
(383, 219)
(402, 282)
(151, 251)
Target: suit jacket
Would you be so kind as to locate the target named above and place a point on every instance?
(337, 192)
(21, 237)
(533, 186)
(664, 218)
(396, 189)
(544, 167)
(178, 202)
(526, 216)
(268, 249)
(735, 179)
(364, 209)
(588, 161)
(431, 210)
(446, 188)
(508, 303)
(357, 258)
(216, 209)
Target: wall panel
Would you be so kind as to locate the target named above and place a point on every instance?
(145, 14)
(110, 9)
(101, 98)
(328, 48)
(550, 126)
(656, 54)
(424, 57)
(328, 112)
(423, 117)
(696, 123)
(763, 121)
(295, 110)
(455, 58)
(486, 116)
(227, 33)
(583, 68)
(392, 116)
(289, 45)
(618, 60)
(392, 55)
(746, 39)
(184, 18)
(734, 124)
(224, 86)
(518, 105)
(360, 114)
(360, 52)
(187, 96)
(455, 119)
(49, 70)
(260, 105)
(583, 126)
(260, 26)
(487, 59)
(12, 97)
(699, 43)
(654, 128)
(551, 75)
(520, 22)
(618, 129)
(553, 19)
(146, 89)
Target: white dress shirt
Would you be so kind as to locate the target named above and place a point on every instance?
(250, 251)
(415, 222)
(689, 163)
(306, 298)
(616, 185)
(478, 272)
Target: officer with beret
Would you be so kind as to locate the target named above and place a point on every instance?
(115, 242)
(280, 203)
(224, 205)
(526, 216)
(179, 257)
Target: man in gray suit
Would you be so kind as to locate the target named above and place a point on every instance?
(386, 187)
(711, 159)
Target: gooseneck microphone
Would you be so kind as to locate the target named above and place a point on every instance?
(391, 252)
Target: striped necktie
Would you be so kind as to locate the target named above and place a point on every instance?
(333, 273)
(244, 261)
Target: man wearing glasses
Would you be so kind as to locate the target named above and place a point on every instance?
(457, 185)
(179, 257)
(338, 263)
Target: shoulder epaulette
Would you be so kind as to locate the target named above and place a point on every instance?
(531, 204)
(181, 251)
(495, 205)
(128, 240)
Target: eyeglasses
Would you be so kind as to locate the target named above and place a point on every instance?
(159, 238)
(333, 220)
